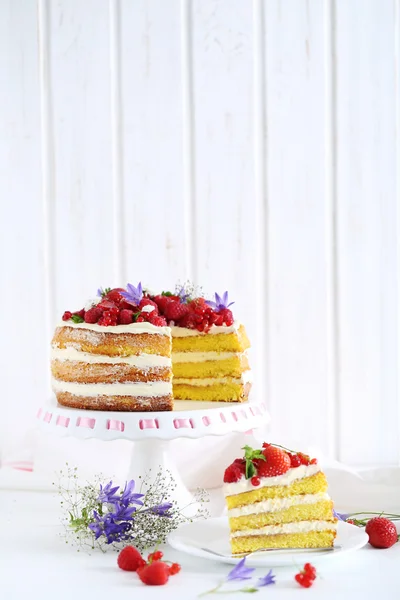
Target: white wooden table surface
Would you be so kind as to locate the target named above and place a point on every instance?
(36, 563)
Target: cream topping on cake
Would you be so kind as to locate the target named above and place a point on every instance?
(295, 527)
(194, 357)
(135, 328)
(214, 330)
(246, 377)
(141, 361)
(245, 485)
(148, 388)
(277, 504)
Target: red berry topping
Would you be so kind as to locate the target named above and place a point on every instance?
(174, 568)
(294, 460)
(381, 532)
(129, 559)
(108, 319)
(93, 314)
(350, 521)
(162, 301)
(313, 461)
(255, 481)
(310, 571)
(277, 462)
(115, 295)
(175, 310)
(147, 302)
(158, 321)
(233, 473)
(79, 313)
(107, 304)
(67, 315)
(125, 316)
(303, 580)
(304, 458)
(157, 573)
(157, 555)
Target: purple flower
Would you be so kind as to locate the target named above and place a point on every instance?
(133, 294)
(183, 295)
(128, 497)
(122, 513)
(219, 303)
(340, 516)
(161, 510)
(107, 494)
(240, 572)
(266, 580)
(100, 292)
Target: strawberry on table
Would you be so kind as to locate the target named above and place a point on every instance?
(156, 573)
(382, 533)
(130, 559)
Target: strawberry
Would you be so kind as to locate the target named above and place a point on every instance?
(129, 559)
(106, 304)
(157, 573)
(233, 473)
(277, 462)
(162, 302)
(381, 532)
(125, 316)
(93, 314)
(174, 310)
(157, 320)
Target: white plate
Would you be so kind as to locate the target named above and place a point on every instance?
(213, 534)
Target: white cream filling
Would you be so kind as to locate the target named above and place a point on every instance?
(194, 357)
(141, 361)
(215, 329)
(150, 388)
(245, 485)
(299, 527)
(277, 504)
(245, 378)
(132, 328)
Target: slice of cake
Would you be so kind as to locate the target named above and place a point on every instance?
(278, 499)
(114, 355)
(209, 349)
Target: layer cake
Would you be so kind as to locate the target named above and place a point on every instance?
(278, 499)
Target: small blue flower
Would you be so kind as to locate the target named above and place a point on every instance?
(240, 572)
(161, 510)
(268, 579)
(128, 497)
(107, 493)
(100, 292)
(219, 303)
(133, 294)
(340, 516)
(183, 295)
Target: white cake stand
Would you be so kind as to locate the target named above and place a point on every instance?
(152, 431)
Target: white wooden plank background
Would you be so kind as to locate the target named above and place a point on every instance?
(248, 146)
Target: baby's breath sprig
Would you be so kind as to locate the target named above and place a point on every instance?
(103, 516)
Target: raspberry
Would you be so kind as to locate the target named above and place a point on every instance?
(188, 322)
(67, 315)
(174, 310)
(158, 321)
(162, 302)
(232, 474)
(277, 462)
(157, 573)
(255, 481)
(129, 559)
(157, 555)
(381, 532)
(174, 568)
(294, 460)
(80, 313)
(125, 316)
(147, 302)
(115, 295)
(227, 316)
(310, 571)
(93, 314)
(303, 580)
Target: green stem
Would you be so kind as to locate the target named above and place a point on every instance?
(354, 514)
(213, 591)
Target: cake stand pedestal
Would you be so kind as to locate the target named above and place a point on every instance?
(151, 432)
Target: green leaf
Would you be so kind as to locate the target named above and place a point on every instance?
(250, 455)
(77, 319)
(167, 294)
(249, 590)
(250, 469)
(105, 292)
(135, 317)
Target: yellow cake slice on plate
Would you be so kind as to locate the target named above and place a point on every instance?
(278, 499)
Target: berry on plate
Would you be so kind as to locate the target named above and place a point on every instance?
(277, 462)
(382, 533)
